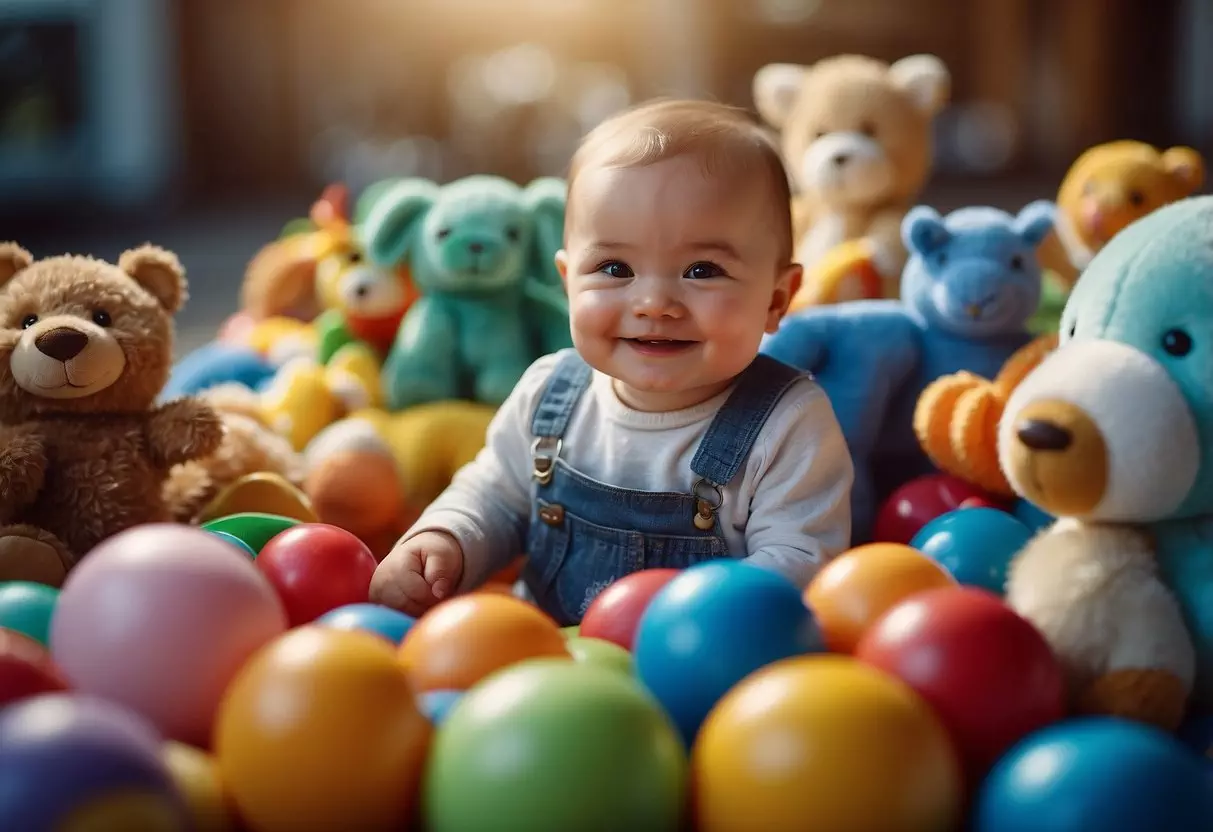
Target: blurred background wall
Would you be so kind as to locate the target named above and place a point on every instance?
(205, 125)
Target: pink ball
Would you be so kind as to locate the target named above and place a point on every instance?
(160, 618)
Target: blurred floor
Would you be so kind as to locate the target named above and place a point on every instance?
(215, 243)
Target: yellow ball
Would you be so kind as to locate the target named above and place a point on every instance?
(197, 777)
(320, 730)
(824, 742)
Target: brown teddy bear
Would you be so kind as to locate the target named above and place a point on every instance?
(85, 347)
(856, 136)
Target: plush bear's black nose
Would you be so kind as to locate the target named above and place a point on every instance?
(61, 343)
(475, 248)
(1040, 435)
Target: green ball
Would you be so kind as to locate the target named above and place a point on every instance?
(253, 528)
(600, 652)
(572, 631)
(27, 608)
(555, 745)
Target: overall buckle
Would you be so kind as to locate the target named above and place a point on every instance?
(708, 499)
(544, 452)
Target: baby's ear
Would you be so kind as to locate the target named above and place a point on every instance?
(1185, 166)
(923, 231)
(1035, 221)
(159, 272)
(13, 259)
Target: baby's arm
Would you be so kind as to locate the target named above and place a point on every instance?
(486, 507)
(800, 508)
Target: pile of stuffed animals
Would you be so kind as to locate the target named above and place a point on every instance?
(376, 337)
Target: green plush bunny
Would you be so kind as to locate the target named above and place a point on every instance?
(481, 251)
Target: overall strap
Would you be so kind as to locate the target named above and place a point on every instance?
(568, 381)
(732, 434)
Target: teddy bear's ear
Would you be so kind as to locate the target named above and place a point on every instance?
(925, 79)
(545, 199)
(13, 258)
(923, 231)
(1034, 221)
(390, 221)
(159, 272)
(1186, 166)
(776, 88)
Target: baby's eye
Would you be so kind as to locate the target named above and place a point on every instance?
(614, 268)
(702, 271)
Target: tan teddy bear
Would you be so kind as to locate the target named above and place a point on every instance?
(85, 347)
(856, 136)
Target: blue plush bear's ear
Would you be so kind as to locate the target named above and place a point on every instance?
(923, 231)
(1035, 221)
(390, 218)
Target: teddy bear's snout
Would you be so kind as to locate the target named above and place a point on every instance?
(1060, 456)
(61, 343)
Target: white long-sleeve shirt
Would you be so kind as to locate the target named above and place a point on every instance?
(787, 509)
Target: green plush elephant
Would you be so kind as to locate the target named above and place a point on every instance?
(481, 251)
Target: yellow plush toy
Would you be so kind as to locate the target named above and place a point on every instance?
(956, 420)
(1108, 187)
(856, 135)
(305, 396)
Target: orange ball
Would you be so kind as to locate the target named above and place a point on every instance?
(858, 586)
(460, 641)
(320, 730)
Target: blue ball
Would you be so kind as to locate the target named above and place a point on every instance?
(372, 618)
(976, 545)
(436, 704)
(62, 754)
(713, 625)
(1197, 734)
(1031, 516)
(214, 364)
(1098, 773)
(235, 541)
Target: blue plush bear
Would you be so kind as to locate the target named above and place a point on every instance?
(481, 251)
(967, 292)
(1113, 433)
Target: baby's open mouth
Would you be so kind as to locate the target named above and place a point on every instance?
(658, 346)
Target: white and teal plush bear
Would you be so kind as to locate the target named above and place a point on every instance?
(1114, 434)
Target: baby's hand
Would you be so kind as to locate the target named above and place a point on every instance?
(418, 573)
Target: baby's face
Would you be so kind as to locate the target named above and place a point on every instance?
(673, 276)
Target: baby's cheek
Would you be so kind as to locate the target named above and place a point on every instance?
(592, 312)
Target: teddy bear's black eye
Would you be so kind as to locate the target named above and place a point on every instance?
(1136, 198)
(28, 321)
(101, 317)
(512, 234)
(1017, 262)
(1176, 342)
(443, 233)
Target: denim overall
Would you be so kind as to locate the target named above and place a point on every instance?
(585, 534)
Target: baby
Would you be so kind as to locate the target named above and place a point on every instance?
(663, 439)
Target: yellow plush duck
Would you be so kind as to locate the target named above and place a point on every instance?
(305, 396)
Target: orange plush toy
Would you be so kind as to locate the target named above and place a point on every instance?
(957, 418)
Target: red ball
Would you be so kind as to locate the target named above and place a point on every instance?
(316, 568)
(920, 501)
(26, 669)
(988, 673)
(614, 614)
